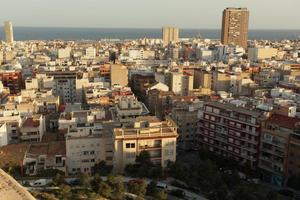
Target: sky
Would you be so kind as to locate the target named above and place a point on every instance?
(197, 14)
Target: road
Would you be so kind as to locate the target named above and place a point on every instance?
(189, 195)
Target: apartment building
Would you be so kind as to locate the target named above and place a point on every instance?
(127, 109)
(231, 131)
(87, 143)
(159, 102)
(32, 128)
(170, 35)
(11, 78)
(293, 161)
(42, 156)
(235, 26)
(118, 75)
(64, 85)
(276, 149)
(186, 116)
(147, 133)
(86, 148)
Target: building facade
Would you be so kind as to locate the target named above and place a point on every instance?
(235, 26)
(230, 131)
(146, 134)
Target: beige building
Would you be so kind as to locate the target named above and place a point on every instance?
(86, 148)
(170, 35)
(235, 26)
(202, 79)
(146, 134)
(118, 75)
(8, 32)
(261, 53)
(32, 128)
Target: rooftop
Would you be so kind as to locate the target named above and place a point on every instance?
(283, 121)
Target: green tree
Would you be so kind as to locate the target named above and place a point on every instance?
(294, 182)
(102, 169)
(273, 195)
(95, 183)
(144, 158)
(116, 183)
(105, 190)
(138, 188)
(161, 195)
(65, 192)
(59, 179)
(152, 189)
(248, 192)
(84, 180)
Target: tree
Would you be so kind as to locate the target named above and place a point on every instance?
(116, 183)
(59, 179)
(152, 189)
(65, 192)
(294, 182)
(84, 180)
(102, 169)
(144, 158)
(162, 195)
(95, 183)
(105, 190)
(248, 192)
(138, 188)
(273, 195)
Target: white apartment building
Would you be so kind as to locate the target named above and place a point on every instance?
(84, 149)
(147, 133)
(3, 135)
(141, 54)
(64, 53)
(87, 143)
(32, 128)
(181, 83)
(90, 53)
(127, 109)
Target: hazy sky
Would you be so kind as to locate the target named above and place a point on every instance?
(264, 14)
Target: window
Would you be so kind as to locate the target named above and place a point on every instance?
(130, 155)
(208, 109)
(58, 159)
(169, 152)
(130, 145)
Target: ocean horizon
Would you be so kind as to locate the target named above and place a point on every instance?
(51, 33)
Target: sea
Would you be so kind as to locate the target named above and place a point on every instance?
(48, 33)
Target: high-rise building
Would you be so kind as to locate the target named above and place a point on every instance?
(8, 32)
(170, 34)
(235, 26)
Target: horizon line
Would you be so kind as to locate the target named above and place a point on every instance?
(184, 28)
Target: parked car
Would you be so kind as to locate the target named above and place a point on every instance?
(38, 183)
(162, 185)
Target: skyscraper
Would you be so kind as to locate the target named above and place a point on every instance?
(8, 32)
(170, 34)
(235, 26)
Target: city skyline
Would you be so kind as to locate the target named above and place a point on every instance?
(90, 15)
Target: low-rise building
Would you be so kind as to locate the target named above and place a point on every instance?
(149, 134)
